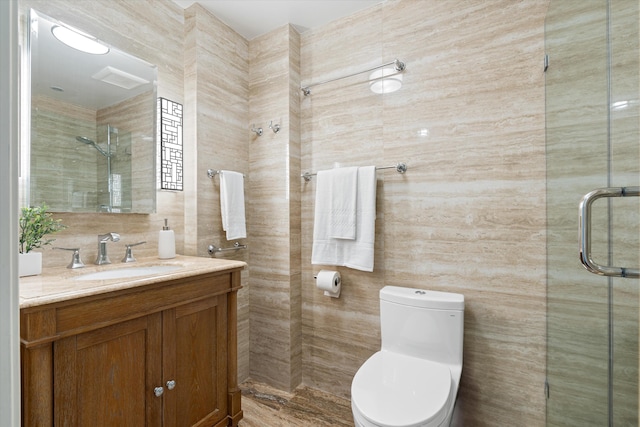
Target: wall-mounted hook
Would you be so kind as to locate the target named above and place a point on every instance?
(258, 131)
(275, 128)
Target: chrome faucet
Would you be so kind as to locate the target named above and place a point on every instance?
(76, 262)
(102, 247)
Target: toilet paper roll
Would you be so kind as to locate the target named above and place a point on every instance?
(330, 282)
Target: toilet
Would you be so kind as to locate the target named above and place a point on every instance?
(413, 380)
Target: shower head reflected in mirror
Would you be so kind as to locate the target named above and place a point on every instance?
(88, 141)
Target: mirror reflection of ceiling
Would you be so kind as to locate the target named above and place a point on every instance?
(251, 18)
(93, 81)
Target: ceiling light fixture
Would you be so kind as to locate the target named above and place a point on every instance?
(78, 40)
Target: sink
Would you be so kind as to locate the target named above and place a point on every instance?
(127, 272)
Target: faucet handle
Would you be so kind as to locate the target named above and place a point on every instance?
(128, 256)
(76, 262)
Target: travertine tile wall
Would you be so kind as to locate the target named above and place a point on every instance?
(216, 65)
(133, 148)
(61, 162)
(468, 216)
(274, 206)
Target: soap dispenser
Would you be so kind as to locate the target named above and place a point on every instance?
(166, 242)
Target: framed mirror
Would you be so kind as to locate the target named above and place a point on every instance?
(91, 143)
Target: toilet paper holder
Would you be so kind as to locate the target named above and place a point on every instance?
(330, 282)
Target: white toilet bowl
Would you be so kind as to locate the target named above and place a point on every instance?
(413, 380)
(394, 390)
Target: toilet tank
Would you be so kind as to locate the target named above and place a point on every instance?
(421, 323)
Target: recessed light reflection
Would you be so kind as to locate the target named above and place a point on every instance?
(621, 105)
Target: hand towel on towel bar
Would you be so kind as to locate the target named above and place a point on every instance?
(359, 252)
(328, 195)
(338, 189)
(232, 204)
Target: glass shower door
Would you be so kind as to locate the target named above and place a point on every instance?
(592, 118)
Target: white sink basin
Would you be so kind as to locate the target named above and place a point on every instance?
(126, 272)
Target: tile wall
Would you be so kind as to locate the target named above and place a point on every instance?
(468, 216)
(274, 210)
(216, 66)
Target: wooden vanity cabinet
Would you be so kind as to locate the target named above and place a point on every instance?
(158, 355)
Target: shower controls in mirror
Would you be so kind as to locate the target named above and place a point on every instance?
(103, 161)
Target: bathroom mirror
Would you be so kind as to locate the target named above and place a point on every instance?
(90, 145)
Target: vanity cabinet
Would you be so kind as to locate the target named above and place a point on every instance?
(157, 355)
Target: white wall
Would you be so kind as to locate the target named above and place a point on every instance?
(9, 321)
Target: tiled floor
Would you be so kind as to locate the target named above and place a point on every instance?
(264, 406)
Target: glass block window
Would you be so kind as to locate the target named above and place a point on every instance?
(171, 172)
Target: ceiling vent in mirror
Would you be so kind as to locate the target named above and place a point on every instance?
(78, 40)
(119, 78)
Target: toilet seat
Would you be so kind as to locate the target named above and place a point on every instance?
(395, 390)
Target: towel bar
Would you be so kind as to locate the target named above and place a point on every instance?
(236, 246)
(213, 172)
(399, 167)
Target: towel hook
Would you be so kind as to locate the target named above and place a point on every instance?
(258, 131)
(275, 128)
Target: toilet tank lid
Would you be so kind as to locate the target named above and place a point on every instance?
(422, 298)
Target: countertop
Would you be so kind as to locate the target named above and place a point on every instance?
(60, 283)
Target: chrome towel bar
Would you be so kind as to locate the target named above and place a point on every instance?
(214, 249)
(398, 65)
(211, 173)
(400, 168)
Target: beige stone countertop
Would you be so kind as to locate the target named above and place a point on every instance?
(61, 283)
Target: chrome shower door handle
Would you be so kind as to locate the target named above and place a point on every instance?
(585, 231)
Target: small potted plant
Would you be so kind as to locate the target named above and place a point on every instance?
(35, 223)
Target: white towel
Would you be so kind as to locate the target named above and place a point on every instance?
(339, 198)
(232, 204)
(359, 252)
(324, 249)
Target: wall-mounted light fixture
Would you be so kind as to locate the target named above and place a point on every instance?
(386, 80)
(79, 40)
(382, 75)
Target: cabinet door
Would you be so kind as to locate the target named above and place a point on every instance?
(106, 377)
(195, 358)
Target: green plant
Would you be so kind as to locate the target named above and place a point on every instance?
(35, 223)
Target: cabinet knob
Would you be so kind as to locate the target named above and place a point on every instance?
(158, 391)
(171, 384)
